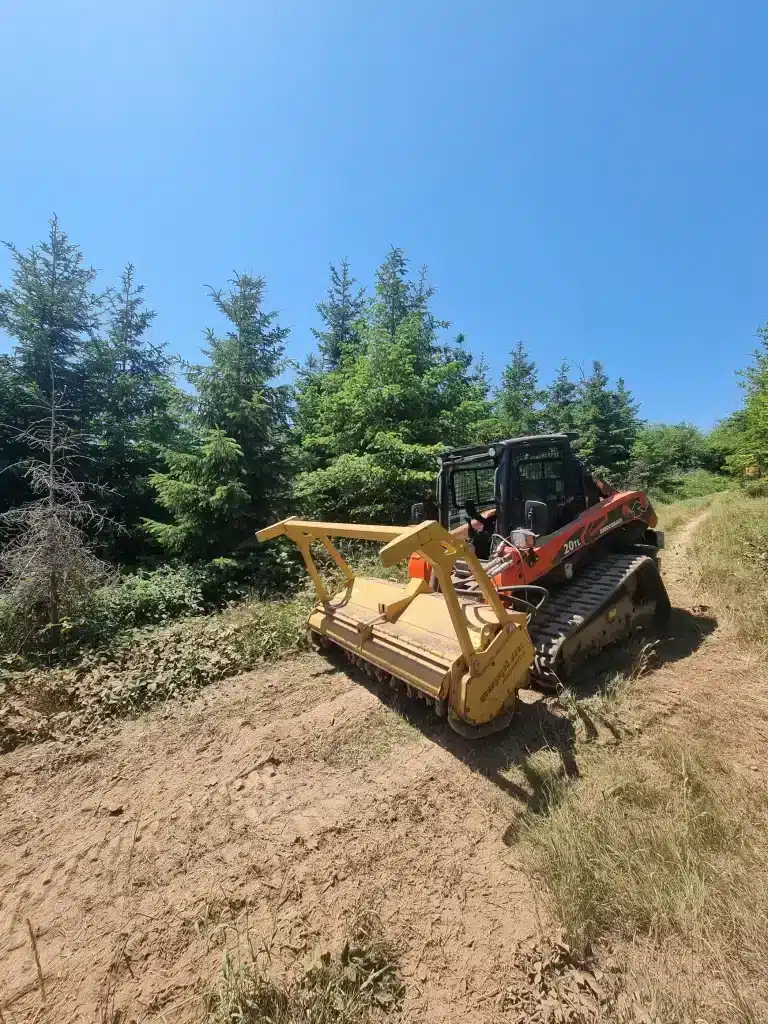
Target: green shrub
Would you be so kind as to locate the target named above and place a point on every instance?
(698, 483)
(158, 597)
(176, 591)
(150, 598)
(756, 488)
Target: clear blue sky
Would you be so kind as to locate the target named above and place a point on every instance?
(587, 177)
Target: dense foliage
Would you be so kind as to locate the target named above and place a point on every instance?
(187, 461)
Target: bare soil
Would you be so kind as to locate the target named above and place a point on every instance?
(270, 809)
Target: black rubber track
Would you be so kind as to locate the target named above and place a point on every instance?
(578, 603)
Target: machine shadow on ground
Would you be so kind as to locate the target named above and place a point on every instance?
(550, 722)
(647, 650)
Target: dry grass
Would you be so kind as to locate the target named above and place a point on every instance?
(358, 744)
(358, 986)
(665, 847)
(678, 513)
(657, 852)
(730, 552)
(653, 841)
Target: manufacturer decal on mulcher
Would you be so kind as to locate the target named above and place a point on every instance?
(508, 666)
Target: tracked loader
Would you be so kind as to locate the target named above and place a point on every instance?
(525, 566)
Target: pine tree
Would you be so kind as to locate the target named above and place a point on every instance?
(204, 493)
(370, 430)
(607, 424)
(340, 313)
(50, 311)
(132, 409)
(237, 393)
(519, 397)
(560, 399)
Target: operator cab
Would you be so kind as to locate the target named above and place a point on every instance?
(533, 483)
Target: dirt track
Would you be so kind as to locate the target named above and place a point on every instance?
(275, 805)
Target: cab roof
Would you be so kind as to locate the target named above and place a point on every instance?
(474, 451)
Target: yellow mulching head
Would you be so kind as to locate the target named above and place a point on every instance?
(467, 654)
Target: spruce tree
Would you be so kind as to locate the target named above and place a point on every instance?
(398, 297)
(48, 570)
(606, 423)
(626, 424)
(560, 399)
(519, 397)
(132, 407)
(203, 491)
(14, 414)
(340, 313)
(50, 312)
(394, 292)
(371, 429)
(237, 392)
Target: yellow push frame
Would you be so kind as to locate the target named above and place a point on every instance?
(439, 547)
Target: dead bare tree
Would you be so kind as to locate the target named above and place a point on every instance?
(48, 570)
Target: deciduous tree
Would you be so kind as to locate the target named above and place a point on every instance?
(750, 455)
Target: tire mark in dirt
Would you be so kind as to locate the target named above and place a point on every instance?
(290, 819)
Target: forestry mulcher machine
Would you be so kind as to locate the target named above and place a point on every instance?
(525, 566)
